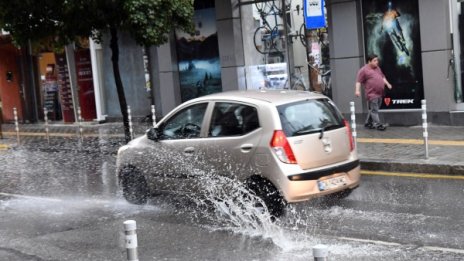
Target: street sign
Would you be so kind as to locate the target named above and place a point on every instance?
(314, 14)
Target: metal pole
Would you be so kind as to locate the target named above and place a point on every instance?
(79, 120)
(129, 116)
(130, 227)
(320, 253)
(15, 113)
(353, 124)
(153, 115)
(47, 134)
(425, 126)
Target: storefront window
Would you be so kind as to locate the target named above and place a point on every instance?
(283, 57)
(265, 44)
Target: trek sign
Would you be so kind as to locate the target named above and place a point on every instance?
(314, 14)
(391, 30)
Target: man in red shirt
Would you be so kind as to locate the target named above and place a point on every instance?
(374, 81)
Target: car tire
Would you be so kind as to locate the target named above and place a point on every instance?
(269, 194)
(134, 186)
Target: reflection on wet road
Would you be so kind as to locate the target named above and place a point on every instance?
(64, 204)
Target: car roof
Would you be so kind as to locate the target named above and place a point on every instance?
(276, 97)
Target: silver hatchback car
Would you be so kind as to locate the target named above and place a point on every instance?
(285, 146)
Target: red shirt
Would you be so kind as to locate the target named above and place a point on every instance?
(372, 80)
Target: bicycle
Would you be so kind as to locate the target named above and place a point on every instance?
(326, 79)
(266, 37)
(297, 80)
(266, 6)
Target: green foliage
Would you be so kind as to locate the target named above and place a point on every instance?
(151, 21)
(61, 21)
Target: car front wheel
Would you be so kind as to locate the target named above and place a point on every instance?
(134, 186)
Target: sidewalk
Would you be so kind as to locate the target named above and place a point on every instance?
(398, 149)
(402, 149)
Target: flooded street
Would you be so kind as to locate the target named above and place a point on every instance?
(62, 202)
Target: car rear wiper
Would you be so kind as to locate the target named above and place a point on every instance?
(305, 131)
(320, 130)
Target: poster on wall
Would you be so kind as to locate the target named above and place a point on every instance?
(198, 57)
(391, 30)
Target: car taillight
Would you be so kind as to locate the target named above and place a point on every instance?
(350, 136)
(281, 147)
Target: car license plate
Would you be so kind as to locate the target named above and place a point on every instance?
(331, 183)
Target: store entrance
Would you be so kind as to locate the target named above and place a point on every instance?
(57, 98)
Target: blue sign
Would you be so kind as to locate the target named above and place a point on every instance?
(314, 14)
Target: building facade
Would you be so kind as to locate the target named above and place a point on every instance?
(243, 44)
(427, 68)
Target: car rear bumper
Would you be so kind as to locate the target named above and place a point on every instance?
(307, 186)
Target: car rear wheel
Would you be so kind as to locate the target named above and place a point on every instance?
(268, 193)
(134, 186)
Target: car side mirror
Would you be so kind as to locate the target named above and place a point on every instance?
(153, 134)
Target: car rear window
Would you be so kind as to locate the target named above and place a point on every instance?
(309, 116)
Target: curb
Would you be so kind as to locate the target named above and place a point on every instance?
(426, 168)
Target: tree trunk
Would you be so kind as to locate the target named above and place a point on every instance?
(118, 81)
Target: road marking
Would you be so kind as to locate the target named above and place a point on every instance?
(411, 175)
(385, 243)
(377, 242)
(56, 134)
(444, 249)
(413, 141)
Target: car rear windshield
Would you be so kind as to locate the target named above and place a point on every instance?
(309, 116)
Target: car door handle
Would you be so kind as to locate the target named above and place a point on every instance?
(246, 147)
(189, 150)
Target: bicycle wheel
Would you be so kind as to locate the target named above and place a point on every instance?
(267, 41)
(264, 7)
(261, 39)
(302, 34)
(277, 4)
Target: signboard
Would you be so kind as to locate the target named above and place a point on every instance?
(314, 14)
(391, 30)
(85, 84)
(66, 100)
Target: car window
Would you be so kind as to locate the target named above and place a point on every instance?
(309, 116)
(184, 124)
(233, 119)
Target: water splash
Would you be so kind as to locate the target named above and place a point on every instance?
(233, 207)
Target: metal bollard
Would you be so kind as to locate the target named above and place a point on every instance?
(321, 253)
(79, 119)
(130, 227)
(129, 116)
(15, 113)
(47, 133)
(425, 134)
(153, 116)
(353, 124)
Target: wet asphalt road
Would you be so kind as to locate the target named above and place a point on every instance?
(62, 203)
